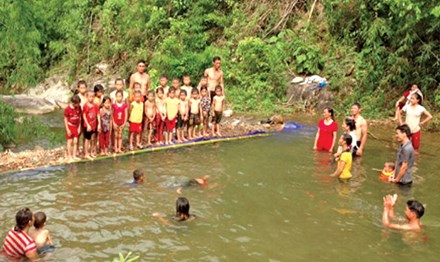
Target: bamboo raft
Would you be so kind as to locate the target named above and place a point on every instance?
(196, 142)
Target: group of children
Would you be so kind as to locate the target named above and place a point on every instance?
(183, 111)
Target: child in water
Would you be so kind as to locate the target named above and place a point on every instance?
(41, 236)
(387, 171)
(138, 177)
(182, 212)
(345, 160)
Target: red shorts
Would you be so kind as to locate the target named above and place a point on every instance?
(415, 139)
(73, 131)
(170, 124)
(135, 127)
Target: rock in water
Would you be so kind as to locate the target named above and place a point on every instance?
(29, 104)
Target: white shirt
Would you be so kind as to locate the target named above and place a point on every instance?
(413, 114)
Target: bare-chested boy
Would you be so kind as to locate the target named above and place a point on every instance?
(218, 104)
(161, 114)
(182, 117)
(195, 116)
(215, 77)
(150, 114)
(141, 77)
(361, 128)
(163, 81)
(187, 86)
(176, 84)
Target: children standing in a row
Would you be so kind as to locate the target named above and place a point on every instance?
(103, 118)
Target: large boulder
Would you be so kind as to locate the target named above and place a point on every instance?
(54, 89)
(29, 104)
(308, 96)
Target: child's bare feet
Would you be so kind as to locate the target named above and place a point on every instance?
(76, 158)
(218, 134)
(88, 157)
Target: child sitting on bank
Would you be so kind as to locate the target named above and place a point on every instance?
(387, 171)
(41, 236)
(72, 123)
(106, 125)
(92, 125)
(195, 115)
(136, 116)
(182, 117)
(150, 115)
(205, 103)
(218, 104)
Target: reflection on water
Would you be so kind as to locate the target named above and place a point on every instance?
(267, 199)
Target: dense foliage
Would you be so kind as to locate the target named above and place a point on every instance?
(369, 50)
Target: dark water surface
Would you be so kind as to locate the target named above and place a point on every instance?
(268, 199)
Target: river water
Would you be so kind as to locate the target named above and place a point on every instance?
(267, 199)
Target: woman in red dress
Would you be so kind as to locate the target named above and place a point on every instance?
(327, 130)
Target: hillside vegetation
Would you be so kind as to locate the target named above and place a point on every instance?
(369, 50)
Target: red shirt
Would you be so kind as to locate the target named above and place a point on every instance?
(325, 138)
(91, 112)
(119, 113)
(17, 244)
(73, 115)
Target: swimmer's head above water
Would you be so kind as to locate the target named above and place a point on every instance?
(182, 209)
(138, 176)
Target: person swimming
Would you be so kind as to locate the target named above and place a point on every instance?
(182, 212)
(180, 182)
(138, 177)
(414, 211)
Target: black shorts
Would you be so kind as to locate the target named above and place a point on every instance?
(88, 135)
(194, 119)
(212, 94)
(180, 122)
(217, 118)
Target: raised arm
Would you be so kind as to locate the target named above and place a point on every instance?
(399, 116)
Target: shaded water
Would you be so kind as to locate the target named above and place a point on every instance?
(268, 199)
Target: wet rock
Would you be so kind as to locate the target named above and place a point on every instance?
(29, 104)
(297, 80)
(228, 112)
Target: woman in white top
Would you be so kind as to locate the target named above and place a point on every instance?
(414, 111)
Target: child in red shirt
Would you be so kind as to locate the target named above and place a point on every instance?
(92, 125)
(120, 112)
(72, 123)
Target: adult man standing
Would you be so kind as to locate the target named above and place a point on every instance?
(405, 157)
(141, 77)
(361, 128)
(215, 77)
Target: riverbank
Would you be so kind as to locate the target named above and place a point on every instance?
(40, 157)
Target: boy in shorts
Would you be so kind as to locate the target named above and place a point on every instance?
(171, 108)
(218, 104)
(72, 123)
(92, 125)
(182, 117)
(205, 103)
(136, 112)
(195, 115)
